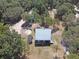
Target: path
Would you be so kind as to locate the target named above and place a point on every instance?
(41, 53)
(17, 27)
(52, 13)
(58, 36)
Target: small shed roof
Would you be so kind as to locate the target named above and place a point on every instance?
(43, 34)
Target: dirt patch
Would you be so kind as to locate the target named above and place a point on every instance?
(51, 13)
(41, 52)
(17, 27)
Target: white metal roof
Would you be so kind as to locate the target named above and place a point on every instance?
(43, 34)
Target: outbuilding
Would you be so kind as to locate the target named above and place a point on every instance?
(43, 36)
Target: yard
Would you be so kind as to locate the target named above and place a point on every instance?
(45, 52)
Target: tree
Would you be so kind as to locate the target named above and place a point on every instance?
(12, 46)
(40, 6)
(12, 15)
(3, 5)
(26, 4)
(74, 1)
(65, 8)
(37, 18)
(69, 19)
(48, 20)
(34, 17)
(25, 16)
(73, 56)
(10, 10)
(71, 38)
(50, 4)
(78, 5)
(57, 3)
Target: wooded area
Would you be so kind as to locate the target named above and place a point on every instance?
(11, 11)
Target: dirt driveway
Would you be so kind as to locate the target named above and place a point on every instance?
(41, 52)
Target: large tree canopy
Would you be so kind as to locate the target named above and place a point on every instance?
(10, 9)
(65, 8)
(11, 44)
(11, 15)
(71, 38)
(73, 56)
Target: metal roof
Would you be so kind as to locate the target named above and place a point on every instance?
(43, 34)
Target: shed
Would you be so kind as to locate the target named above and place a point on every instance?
(43, 36)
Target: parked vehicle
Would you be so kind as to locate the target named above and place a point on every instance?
(30, 37)
(26, 25)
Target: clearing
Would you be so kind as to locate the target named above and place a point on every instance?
(47, 52)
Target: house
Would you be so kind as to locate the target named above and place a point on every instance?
(43, 37)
